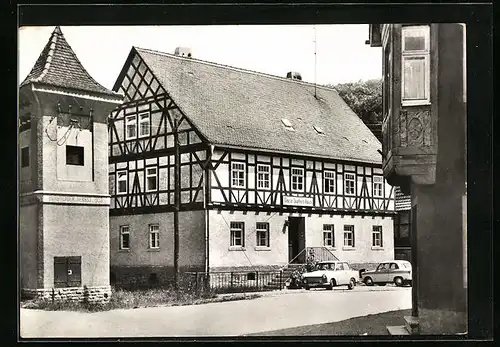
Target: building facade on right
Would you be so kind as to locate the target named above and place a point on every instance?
(424, 153)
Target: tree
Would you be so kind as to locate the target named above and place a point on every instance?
(364, 98)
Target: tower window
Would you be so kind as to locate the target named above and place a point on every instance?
(74, 155)
(25, 156)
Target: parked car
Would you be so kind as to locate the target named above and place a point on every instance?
(392, 271)
(329, 274)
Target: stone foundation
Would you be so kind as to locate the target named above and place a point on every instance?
(241, 269)
(100, 294)
(441, 322)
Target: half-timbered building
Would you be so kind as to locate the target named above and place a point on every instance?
(260, 168)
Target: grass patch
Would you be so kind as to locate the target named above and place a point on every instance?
(127, 299)
(372, 324)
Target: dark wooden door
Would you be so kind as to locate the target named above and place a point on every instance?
(67, 272)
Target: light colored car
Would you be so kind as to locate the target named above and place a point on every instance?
(329, 274)
(393, 271)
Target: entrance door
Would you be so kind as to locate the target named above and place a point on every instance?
(296, 239)
(67, 272)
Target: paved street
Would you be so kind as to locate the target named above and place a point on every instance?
(271, 312)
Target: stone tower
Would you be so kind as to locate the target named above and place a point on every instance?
(63, 177)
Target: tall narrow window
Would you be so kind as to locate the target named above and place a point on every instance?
(329, 182)
(74, 155)
(238, 174)
(151, 179)
(124, 237)
(131, 125)
(377, 186)
(328, 235)
(122, 182)
(349, 183)
(348, 235)
(262, 231)
(25, 156)
(297, 180)
(415, 60)
(237, 230)
(154, 236)
(377, 236)
(144, 124)
(263, 176)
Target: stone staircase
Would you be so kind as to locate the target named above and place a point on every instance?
(409, 328)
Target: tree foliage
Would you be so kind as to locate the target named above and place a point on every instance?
(364, 98)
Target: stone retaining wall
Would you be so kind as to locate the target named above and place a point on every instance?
(101, 294)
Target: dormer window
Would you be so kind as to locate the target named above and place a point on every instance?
(318, 130)
(415, 60)
(287, 124)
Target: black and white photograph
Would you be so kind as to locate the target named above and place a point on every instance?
(242, 180)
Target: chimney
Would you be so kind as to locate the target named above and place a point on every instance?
(294, 75)
(183, 52)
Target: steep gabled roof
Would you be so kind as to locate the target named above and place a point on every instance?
(244, 109)
(59, 66)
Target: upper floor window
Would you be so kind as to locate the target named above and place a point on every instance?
(144, 124)
(415, 60)
(131, 127)
(349, 182)
(151, 179)
(263, 176)
(25, 156)
(74, 155)
(238, 175)
(297, 180)
(329, 178)
(377, 186)
(122, 182)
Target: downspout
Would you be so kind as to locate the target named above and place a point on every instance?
(206, 200)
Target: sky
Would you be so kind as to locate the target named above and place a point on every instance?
(341, 53)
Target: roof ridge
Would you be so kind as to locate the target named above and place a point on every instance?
(254, 72)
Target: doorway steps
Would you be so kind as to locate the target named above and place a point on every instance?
(409, 328)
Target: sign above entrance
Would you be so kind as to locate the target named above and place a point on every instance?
(298, 201)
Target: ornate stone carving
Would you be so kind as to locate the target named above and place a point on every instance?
(415, 128)
(402, 128)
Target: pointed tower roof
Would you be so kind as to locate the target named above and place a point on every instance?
(59, 66)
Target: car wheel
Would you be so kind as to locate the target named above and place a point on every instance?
(307, 287)
(368, 281)
(398, 281)
(332, 284)
(352, 283)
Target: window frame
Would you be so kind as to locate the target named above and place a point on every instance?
(148, 175)
(377, 229)
(408, 55)
(80, 149)
(25, 156)
(381, 183)
(331, 179)
(259, 230)
(264, 173)
(353, 183)
(124, 230)
(350, 231)
(329, 229)
(238, 170)
(236, 226)
(128, 121)
(294, 175)
(154, 229)
(118, 179)
(140, 121)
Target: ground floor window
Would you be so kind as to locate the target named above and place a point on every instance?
(124, 237)
(237, 234)
(154, 236)
(348, 235)
(262, 231)
(377, 236)
(328, 235)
